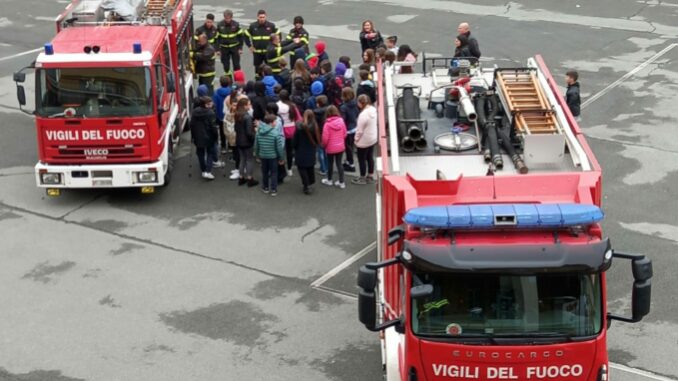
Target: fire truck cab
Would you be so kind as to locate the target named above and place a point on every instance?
(113, 92)
(488, 271)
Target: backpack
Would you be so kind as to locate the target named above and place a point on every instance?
(334, 89)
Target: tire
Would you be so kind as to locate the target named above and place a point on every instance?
(170, 167)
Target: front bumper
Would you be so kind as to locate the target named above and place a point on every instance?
(99, 176)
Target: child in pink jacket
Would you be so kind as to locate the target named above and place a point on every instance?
(334, 137)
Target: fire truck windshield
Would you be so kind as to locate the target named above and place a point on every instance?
(510, 306)
(94, 92)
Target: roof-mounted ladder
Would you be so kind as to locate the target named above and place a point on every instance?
(525, 101)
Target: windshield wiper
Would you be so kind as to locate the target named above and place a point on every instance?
(535, 335)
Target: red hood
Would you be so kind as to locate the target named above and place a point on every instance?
(96, 140)
(557, 362)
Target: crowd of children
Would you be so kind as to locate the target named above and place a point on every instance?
(308, 113)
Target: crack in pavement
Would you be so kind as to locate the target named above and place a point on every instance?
(311, 232)
(158, 245)
(640, 145)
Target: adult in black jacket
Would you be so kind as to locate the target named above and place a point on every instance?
(231, 39)
(573, 97)
(306, 140)
(209, 29)
(298, 32)
(258, 37)
(244, 141)
(205, 135)
(369, 37)
(462, 49)
(277, 49)
(473, 47)
(203, 58)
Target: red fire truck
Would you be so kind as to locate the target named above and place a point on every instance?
(488, 271)
(113, 91)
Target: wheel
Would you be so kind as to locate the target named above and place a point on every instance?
(170, 166)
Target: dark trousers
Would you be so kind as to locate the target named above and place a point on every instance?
(246, 162)
(289, 151)
(208, 81)
(350, 143)
(307, 175)
(222, 135)
(258, 58)
(269, 174)
(236, 155)
(282, 173)
(206, 157)
(332, 160)
(366, 160)
(229, 55)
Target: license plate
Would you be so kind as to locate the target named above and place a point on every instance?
(102, 183)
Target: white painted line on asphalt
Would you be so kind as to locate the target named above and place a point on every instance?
(639, 372)
(627, 76)
(344, 265)
(20, 54)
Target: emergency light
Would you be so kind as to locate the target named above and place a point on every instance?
(479, 216)
(49, 49)
(136, 48)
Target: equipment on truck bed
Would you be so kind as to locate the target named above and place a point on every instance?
(484, 273)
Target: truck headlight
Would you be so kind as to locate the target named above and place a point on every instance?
(147, 177)
(50, 178)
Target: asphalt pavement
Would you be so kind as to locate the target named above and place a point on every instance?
(210, 281)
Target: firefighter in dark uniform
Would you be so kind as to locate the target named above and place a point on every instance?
(209, 29)
(298, 32)
(230, 42)
(277, 50)
(258, 37)
(204, 58)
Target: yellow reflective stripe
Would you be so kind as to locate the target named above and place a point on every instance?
(196, 37)
(230, 45)
(304, 40)
(260, 50)
(261, 37)
(229, 35)
(210, 74)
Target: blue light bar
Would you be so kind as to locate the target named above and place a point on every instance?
(136, 47)
(504, 215)
(49, 49)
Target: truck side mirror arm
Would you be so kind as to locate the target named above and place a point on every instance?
(641, 293)
(19, 77)
(367, 299)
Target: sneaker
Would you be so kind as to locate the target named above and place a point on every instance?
(224, 151)
(359, 181)
(349, 167)
(340, 185)
(274, 193)
(218, 164)
(235, 170)
(327, 182)
(242, 181)
(207, 176)
(265, 190)
(307, 191)
(322, 173)
(289, 172)
(234, 175)
(370, 179)
(252, 183)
